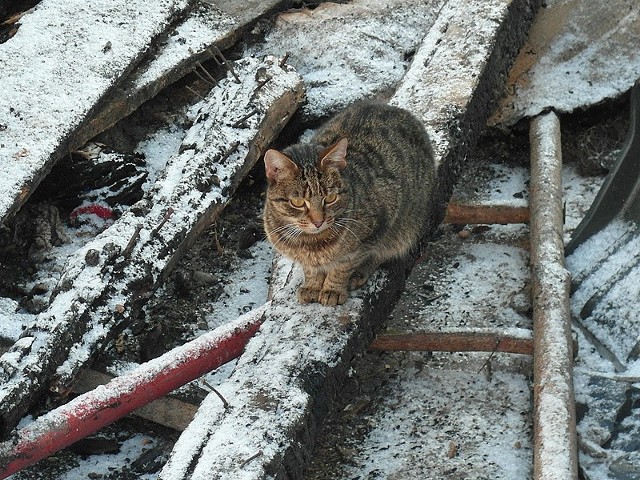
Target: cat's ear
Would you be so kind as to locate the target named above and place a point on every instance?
(335, 156)
(278, 166)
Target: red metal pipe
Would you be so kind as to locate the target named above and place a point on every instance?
(104, 405)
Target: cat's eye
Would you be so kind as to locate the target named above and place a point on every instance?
(297, 202)
(331, 198)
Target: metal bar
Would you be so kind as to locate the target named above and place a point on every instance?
(555, 445)
(454, 342)
(98, 408)
(461, 214)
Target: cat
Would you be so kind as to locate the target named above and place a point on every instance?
(352, 198)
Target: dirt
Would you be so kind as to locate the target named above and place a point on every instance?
(180, 308)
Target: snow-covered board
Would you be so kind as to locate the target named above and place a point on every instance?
(210, 25)
(108, 280)
(578, 54)
(64, 58)
(284, 382)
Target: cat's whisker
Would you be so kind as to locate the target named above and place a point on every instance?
(286, 233)
(338, 224)
(353, 220)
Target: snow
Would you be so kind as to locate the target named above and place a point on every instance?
(94, 465)
(345, 52)
(81, 53)
(578, 54)
(434, 414)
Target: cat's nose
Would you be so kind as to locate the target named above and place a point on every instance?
(318, 224)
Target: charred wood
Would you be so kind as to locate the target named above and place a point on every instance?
(95, 301)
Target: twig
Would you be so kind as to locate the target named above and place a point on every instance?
(262, 83)
(252, 457)
(220, 59)
(239, 122)
(163, 221)
(234, 146)
(219, 248)
(205, 80)
(206, 72)
(132, 242)
(225, 404)
(195, 93)
(284, 60)
(490, 356)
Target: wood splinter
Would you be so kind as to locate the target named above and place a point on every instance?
(164, 220)
(238, 123)
(225, 404)
(132, 242)
(220, 59)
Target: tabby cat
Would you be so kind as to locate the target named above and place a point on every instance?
(352, 198)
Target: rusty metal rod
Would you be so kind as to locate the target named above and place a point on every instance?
(554, 437)
(454, 342)
(462, 214)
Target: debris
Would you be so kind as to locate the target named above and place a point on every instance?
(41, 108)
(92, 303)
(91, 411)
(577, 54)
(277, 411)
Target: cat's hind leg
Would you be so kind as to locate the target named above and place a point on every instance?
(362, 273)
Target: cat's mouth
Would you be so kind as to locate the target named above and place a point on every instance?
(315, 229)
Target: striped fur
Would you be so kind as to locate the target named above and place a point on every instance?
(381, 189)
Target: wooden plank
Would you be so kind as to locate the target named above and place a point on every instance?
(473, 341)
(283, 384)
(106, 282)
(170, 412)
(554, 423)
(54, 71)
(213, 24)
(461, 214)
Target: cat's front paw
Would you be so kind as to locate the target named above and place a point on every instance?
(308, 295)
(333, 297)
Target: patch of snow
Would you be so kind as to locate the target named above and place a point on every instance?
(94, 466)
(246, 288)
(435, 420)
(578, 193)
(345, 52)
(158, 149)
(579, 54)
(500, 301)
(12, 320)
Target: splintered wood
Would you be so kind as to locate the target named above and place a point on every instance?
(281, 387)
(45, 97)
(62, 87)
(94, 300)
